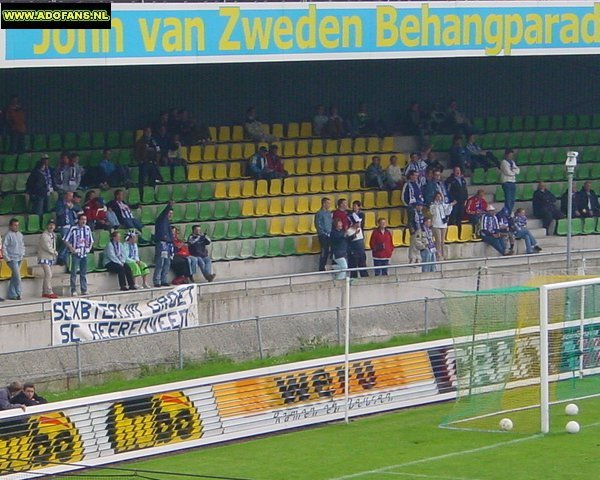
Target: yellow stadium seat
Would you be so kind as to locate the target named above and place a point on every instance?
(315, 166)
(369, 200)
(275, 187)
(370, 220)
(5, 272)
(249, 150)
(315, 245)
(354, 182)
(358, 163)
(277, 130)
(275, 206)
(404, 216)
(293, 130)
(212, 131)
(360, 146)
(328, 165)
(341, 183)
(235, 190)
(368, 234)
(220, 171)
(452, 234)
(315, 185)
(466, 232)
(331, 147)
(402, 159)
(220, 190)
(315, 204)
(289, 165)
(302, 205)
(345, 146)
(306, 129)
(289, 149)
(355, 196)
(289, 205)
(302, 148)
(316, 147)
(289, 225)
(209, 153)
(208, 172)
(235, 170)
(275, 227)
(289, 187)
(224, 134)
(24, 270)
(139, 134)
(266, 128)
(395, 219)
(247, 208)
(343, 164)
(397, 238)
(381, 214)
(301, 166)
(387, 144)
(303, 245)
(222, 152)
(304, 225)
(382, 200)
(302, 185)
(261, 208)
(193, 173)
(262, 189)
(396, 200)
(385, 161)
(236, 151)
(247, 189)
(194, 154)
(373, 145)
(406, 237)
(237, 134)
(328, 184)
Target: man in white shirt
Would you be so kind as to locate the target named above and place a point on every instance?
(508, 178)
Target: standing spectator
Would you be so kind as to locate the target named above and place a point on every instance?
(147, 155)
(39, 187)
(197, 243)
(522, 232)
(115, 261)
(17, 126)
(339, 248)
(376, 177)
(458, 154)
(13, 253)
(382, 247)
(458, 121)
(417, 165)
(95, 211)
(357, 258)
(544, 206)
(79, 241)
(440, 211)
(586, 201)
(257, 165)
(274, 163)
(411, 192)
(319, 122)
(335, 124)
(7, 394)
(457, 191)
(73, 174)
(490, 231)
(506, 229)
(28, 397)
(67, 211)
(428, 252)
(478, 157)
(394, 173)
(476, 207)
(60, 174)
(122, 212)
(416, 218)
(163, 251)
(324, 225)
(508, 178)
(47, 255)
(254, 128)
(435, 185)
(132, 259)
(428, 156)
(162, 140)
(342, 213)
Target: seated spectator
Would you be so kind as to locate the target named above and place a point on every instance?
(115, 261)
(475, 207)
(111, 174)
(411, 192)
(428, 156)
(28, 397)
(47, 255)
(254, 129)
(506, 227)
(335, 123)
(478, 157)
(376, 177)
(319, 122)
(95, 211)
(362, 123)
(458, 121)
(257, 165)
(132, 259)
(564, 202)
(121, 213)
(586, 201)
(458, 154)
(440, 210)
(394, 173)
(162, 140)
(437, 119)
(67, 210)
(523, 233)
(490, 231)
(39, 186)
(416, 218)
(274, 163)
(544, 206)
(183, 265)
(382, 247)
(428, 250)
(419, 166)
(456, 185)
(8, 393)
(197, 243)
(339, 248)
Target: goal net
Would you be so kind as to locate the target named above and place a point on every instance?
(510, 363)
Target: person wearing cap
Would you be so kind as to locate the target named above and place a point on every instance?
(132, 258)
(490, 231)
(47, 254)
(258, 165)
(39, 186)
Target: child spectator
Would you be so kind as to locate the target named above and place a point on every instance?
(522, 232)
(339, 249)
(132, 259)
(382, 247)
(95, 211)
(183, 264)
(440, 211)
(28, 397)
(258, 165)
(506, 227)
(476, 207)
(115, 261)
(47, 255)
(357, 258)
(428, 251)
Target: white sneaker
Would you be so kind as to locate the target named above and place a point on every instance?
(74, 294)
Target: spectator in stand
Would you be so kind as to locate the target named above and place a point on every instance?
(415, 123)
(47, 254)
(394, 173)
(162, 140)
(506, 229)
(258, 165)
(8, 393)
(339, 248)
(437, 119)
(16, 124)
(411, 192)
(132, 259)
(428, 156)
(428, 252)
(115, 261)
(189, 128)
(183, 265)
(324, 225)
(73, 174)
(39, 187)
(79, 241)
(522, 232)
(13, 251)
(490, 231)
(335, 124)
(458, 154)
(122, 213)
(95, 211)
(476, 207)
(376, 177)
(456, 185)
(586, 201)
(457, 120)
(342, 213)
(197, 246)
(174, 156)
(274, 163)
(440, 210)
(67, 211)
(478, 157)
(508, 178)
(163, 121)
(163, 251)
(174, 123)
(28, 397)
(382, 247)
(319, 122)
(111, 174)
(415, 164)
(435, 185)
(254, 129)
(59, 175)
(357, 258)
(564, 202)
(147, 156)
(544, 206)
(416, 218)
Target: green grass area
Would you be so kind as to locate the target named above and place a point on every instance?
(405, 444)
(216, 365)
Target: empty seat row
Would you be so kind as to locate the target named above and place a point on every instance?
(42, 142)
(533, 173)
(520, 123)
(579, 226)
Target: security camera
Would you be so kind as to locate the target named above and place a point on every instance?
(571, 161)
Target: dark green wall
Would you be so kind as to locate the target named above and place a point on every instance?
(106, 98)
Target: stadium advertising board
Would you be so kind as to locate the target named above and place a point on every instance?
(80, 320)
(243, 32)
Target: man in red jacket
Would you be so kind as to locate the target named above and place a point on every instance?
(476, 207)
(382, 247)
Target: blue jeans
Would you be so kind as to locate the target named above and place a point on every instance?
(63, 252)
(427, 257)
(38, 204)
(133, 223)
(162, 265)
(510, 192)
(495, 242)
(14, 286)
(340, 264)
(205, 264)
(78, 263)
(381, 262)
(526, 235)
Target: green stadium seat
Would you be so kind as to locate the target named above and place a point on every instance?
(39, 143)
(514, 140)
(33, 224)
(127, 139)
(146, 236)
(260, 248)
(179, 175)
(595, 171)
(261, 228)
(589, 226)
(206, 191)
(247, 230)
(220, 211)
(539, 140)
(274, 248)
(580, 137)
(84, 141)
(98, 140)
(593, 137)
(488, 140)
(478, 176)
(491, 124)
(218, 251)
(101, 239)
(543, 122)
(113, 139)
(54, 141)
(526, 194)
(530, 174)
(504, 124)
(233, 250)
(492, 176)
(9, 164)
(553, 139)
(528, 139)
(133, 196)
(178, 213)
(20, 204)
(70, 141)
(556, 189)
(178, 192)
(205, 211)
(191, 212)
(21, 182)
(233, 230)
(582, 172)
(570, 122)
(163, 194)
(165, 173)
(234, 210)
(247, 250)
(148, 195)
(289, 246)
(557, 174)
(7, 183)
(557, 122)
(219, 231)
(479, 124)
(595, 121)
(583, 122)
(517, 124)
(192, 192)
(562, 226)
(502, 141)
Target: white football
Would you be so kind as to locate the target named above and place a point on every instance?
(572, 427)
(506, 424)
(571, 409)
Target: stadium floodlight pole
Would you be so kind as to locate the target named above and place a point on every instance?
(347, 353)
(570, 163)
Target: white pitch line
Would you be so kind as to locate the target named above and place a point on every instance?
(422, 475)
(439, 457)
